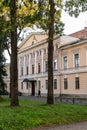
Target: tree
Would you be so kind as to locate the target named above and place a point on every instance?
(75, 7)
(2, 68)
(52, 23)
(50, 96)
(17, 15)
(2, 58)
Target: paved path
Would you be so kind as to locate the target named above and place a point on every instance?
(74, 126)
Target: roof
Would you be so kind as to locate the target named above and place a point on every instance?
(80, 34)
(65, 40)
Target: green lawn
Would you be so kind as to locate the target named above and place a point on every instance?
(31, 114)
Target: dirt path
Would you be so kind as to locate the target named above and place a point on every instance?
(74, 126)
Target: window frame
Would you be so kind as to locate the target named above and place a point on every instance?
(32, 68)
(65, 83)
(55, 84)
(65, 64)
(46, 83)
(39, 68)
(76, 61)
(77, 83)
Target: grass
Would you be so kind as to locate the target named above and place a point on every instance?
(31, 114)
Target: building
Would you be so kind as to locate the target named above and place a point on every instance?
(33, 65)
(69, 64)
(73, 68)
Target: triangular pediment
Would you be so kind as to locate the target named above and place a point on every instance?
(32, 40)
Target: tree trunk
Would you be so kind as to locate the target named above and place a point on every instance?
(14, 69)
(50, 96)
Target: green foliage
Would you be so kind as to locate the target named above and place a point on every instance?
(44, 16)
(74, 7)
(32, 114)
(2, 58)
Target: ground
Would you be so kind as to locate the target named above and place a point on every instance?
(74, 126)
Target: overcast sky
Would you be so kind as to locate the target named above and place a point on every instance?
(73, 24)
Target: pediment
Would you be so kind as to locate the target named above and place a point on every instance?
(32, 40)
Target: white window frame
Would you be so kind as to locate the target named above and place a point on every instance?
(74, 59)
(56, 64)
(63, 62)
(76, 52)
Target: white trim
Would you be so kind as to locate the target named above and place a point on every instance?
(63, 61)
(76, 51)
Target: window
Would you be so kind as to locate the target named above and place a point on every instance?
(37, 53)
(55, 64)
(65, 83)
(33, 55)
(65, 62)
(39, 84)
(46, 66)
(26, 85)
(46, 84)
(32, 69)
(76, 60)
(44, 51)
(40, 52)
(77, 82)
(55, 83)
(21, 71)
(21, 85)
(39, 68)
(27, 70)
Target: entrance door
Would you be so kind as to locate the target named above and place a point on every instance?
(33, 89)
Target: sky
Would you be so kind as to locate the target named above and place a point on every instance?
(73, 24)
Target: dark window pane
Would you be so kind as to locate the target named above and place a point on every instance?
(65, 83)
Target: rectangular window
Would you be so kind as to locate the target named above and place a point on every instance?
(65, 62)
(46, 66)
(39, 68)
(55, 83)
(77, 82)
(21, 85)
(27, 70)
(46, 84)
(39, 84)
(21, 71)
(55, 64)
(65, 83)
(76, 60)
(26, 85)
(32, 69)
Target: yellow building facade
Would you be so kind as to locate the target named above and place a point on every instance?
(69, 66)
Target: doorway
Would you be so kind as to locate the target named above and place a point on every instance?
(33, 88)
